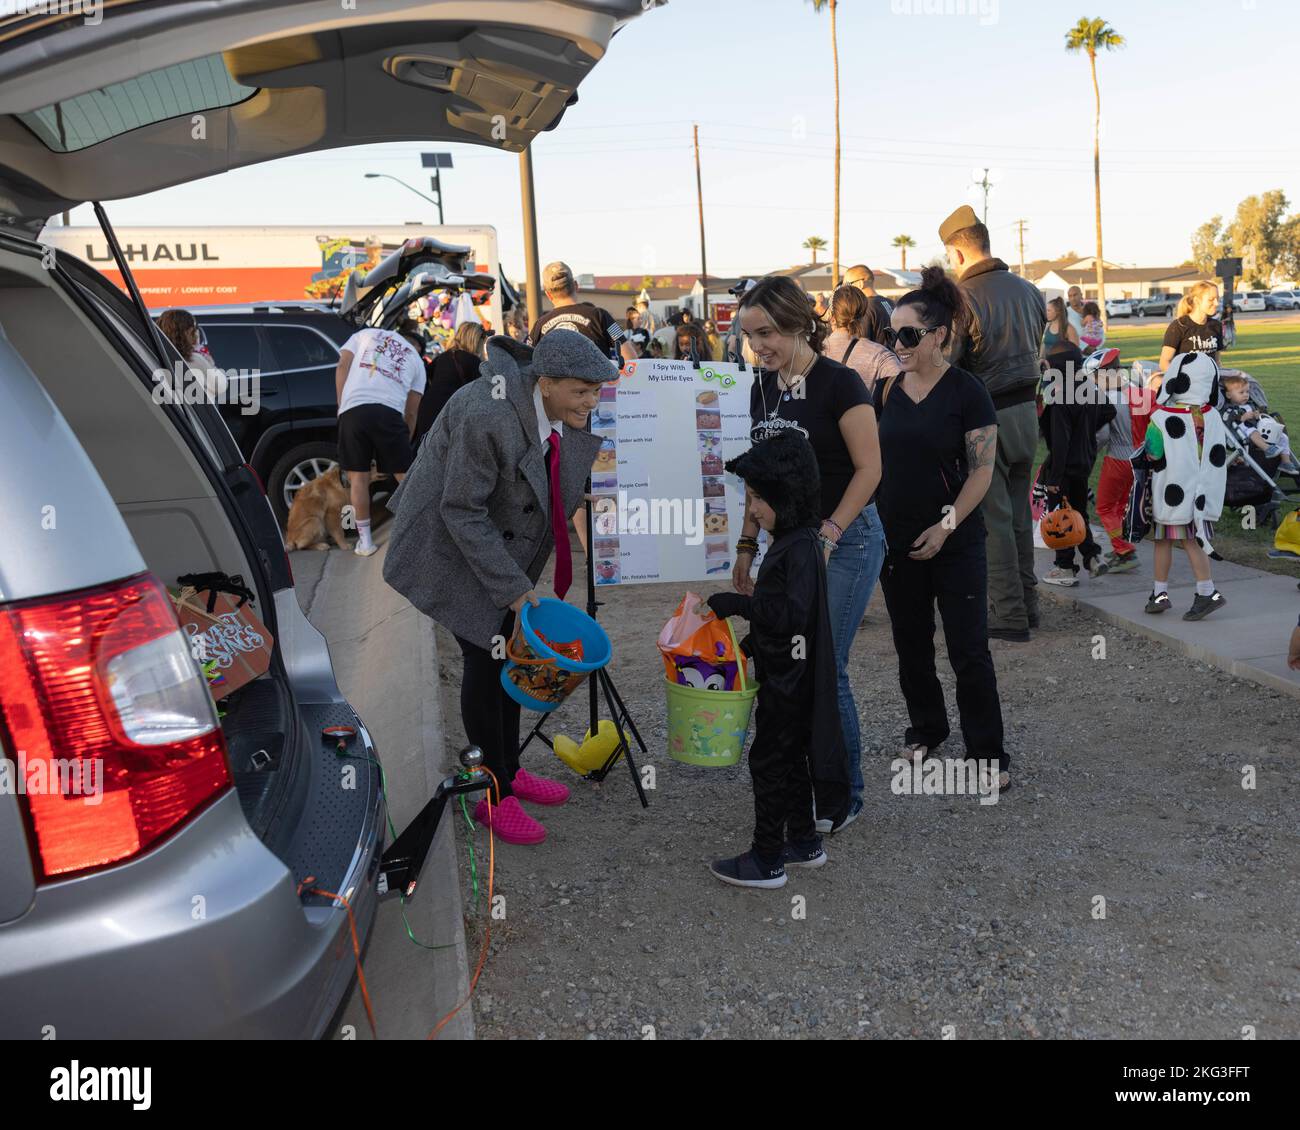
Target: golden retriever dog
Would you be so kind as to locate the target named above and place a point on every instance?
(318, 509)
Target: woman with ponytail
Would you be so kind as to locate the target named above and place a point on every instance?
(1194, 329)
(938, 439)
(796, 388)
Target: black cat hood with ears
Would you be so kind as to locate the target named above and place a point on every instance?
(1192, 380)
(783, 472)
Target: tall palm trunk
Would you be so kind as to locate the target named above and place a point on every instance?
(1096, 181)
(905, 258)
(835, 55)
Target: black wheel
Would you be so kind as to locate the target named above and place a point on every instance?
(294, 470)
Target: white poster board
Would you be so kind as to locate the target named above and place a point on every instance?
(665, 509)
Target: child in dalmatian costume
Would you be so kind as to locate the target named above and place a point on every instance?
(1186, 442)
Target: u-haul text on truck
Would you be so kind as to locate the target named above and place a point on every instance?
(218, 266)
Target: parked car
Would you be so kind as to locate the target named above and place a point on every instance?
(1283, 300)
(293, 435)
(1158, 306)
(1119, 308)
(174, 906)
(1250, 302)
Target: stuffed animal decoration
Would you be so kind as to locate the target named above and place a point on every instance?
(1188, 484)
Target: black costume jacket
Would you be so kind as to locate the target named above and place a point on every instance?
(789, 602)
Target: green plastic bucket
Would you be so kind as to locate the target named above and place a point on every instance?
(707, 727)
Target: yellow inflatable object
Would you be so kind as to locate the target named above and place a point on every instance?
(593, 753)
(1287, 539)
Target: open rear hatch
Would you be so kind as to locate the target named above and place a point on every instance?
(419, 267)
(162, 93)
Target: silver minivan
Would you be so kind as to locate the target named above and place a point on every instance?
(154, 857)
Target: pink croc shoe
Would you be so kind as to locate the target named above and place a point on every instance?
(538, 790)
(510, 823)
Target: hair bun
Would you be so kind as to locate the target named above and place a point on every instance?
(933, 278)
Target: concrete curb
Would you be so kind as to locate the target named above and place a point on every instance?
(1247, 638)
(386, 662)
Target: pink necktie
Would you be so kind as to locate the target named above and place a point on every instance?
(559, 525)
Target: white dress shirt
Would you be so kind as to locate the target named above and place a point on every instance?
(545, 426)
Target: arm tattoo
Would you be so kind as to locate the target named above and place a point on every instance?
(981, 447)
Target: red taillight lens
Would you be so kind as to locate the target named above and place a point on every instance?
(112, 724)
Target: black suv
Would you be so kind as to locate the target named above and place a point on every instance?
(292, 436)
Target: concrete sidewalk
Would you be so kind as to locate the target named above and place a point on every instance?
(1248, 637)
(386, 666)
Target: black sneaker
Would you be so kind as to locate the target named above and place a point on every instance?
(811, 854)
(749, 871)
(1158, 602)
(1096, 566)
(1202, 606)
(830, 827)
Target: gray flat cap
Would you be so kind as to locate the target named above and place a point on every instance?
(566, 353)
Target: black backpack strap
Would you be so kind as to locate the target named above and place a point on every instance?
(852, 345)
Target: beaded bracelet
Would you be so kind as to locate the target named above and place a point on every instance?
(827, 543)
(747, 545)
(834, 526)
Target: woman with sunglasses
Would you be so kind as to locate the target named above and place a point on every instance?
(938, 440)
(798, 388)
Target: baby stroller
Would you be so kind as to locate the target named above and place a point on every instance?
(1253, 479)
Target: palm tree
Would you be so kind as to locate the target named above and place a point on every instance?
(1091, 36)
(814, 243)
(818, 5)
(903, 242)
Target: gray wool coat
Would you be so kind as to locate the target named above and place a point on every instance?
(472, 530)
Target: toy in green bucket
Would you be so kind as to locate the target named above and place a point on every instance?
(708, 727)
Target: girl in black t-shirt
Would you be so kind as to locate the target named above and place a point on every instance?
(1195, 330)
(798, 388)
(938, 438)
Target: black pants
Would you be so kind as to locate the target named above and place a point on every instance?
(778, 765)
(1075, 488)
(490, 716)
(958, 579)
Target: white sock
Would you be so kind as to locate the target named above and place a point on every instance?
(363, 532)
(1161, 587)
(1204, 588)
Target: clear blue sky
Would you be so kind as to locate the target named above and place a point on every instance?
(1199, 110)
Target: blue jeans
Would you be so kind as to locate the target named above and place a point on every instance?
(851, 574)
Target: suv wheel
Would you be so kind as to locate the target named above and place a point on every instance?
(294, 470)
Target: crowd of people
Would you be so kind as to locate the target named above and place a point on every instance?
(891, 443)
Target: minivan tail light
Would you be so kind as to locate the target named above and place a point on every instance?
(110, 720)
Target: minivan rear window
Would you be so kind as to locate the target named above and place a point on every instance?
(170, 92)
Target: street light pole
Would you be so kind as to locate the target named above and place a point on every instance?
(532, 262)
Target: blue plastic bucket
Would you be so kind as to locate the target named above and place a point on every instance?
(536, 675)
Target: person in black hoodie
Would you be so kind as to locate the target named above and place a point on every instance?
(1073, 413)
(798, 758)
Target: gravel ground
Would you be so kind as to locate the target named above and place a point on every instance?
(933, 911)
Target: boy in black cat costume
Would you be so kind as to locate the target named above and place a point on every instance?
(798, 749)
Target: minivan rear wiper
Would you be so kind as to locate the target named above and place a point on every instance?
(152, 332)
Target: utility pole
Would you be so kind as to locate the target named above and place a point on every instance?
(985, 184)
(704, 260)
(1021, 225)
(532, 263)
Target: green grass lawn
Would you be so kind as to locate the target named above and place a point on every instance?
(1269, 352)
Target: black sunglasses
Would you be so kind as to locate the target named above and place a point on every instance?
(909, 336)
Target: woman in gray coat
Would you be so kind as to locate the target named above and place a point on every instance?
(496, 481)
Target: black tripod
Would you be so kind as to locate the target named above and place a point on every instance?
(601, 681)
